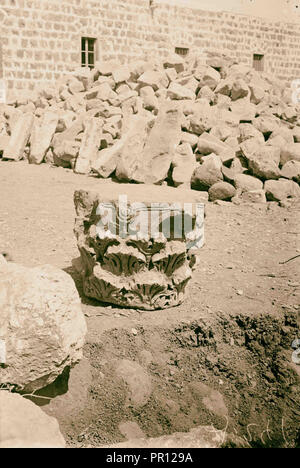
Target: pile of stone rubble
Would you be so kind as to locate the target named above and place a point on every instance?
(216, 126)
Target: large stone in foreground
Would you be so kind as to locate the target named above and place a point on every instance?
(42, 327)
(138, 245)
(25, 425)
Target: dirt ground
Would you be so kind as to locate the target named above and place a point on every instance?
(223, 357)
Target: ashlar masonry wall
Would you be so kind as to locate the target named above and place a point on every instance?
(41, 39)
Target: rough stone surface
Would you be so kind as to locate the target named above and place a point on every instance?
(41, 323)
(208, 143)
(160, 146)
(89, 146)
(25, 425)
(289, 153)
(138, 382)
(178, 92)
(41, 136)
(221, 191)
(291, 170)
(207, 174)
(277, 190)
(132, 155)
(247, 183)
(184, 163)
(264, 163)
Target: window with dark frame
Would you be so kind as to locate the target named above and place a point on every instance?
(181, 51)
(258, 62)
(88, 52)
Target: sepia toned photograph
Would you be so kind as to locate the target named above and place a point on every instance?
(150, 226)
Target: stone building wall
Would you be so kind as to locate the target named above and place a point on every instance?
(42, 38)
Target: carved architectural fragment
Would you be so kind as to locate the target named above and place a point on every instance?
(138, 246)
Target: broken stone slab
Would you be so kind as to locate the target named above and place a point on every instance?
(4, 141)
(75, 86)
(257, 93)
(85, 75)
(19, 137)
(121, 74)
(89, 145)
(149, 98)
(208, 144)
(189, 138)
(25, 425)
(12, 114)
(108, 158)
(239, 89)
(208, 173)
(247, 130)
(207, 76)
(154, 163)
(71, 133)
(206, 93)
(132, 155)
(66, 153)
(247, 183)
(264, 163)
(266, 124)
(278, 190)
(41, 324)
(177, 91)
(202, 118)
(174, 61)
(243, 110)
(41, 135)
(138, 246)
(222, 132)
(155, 79)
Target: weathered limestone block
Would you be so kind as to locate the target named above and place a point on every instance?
(89, 145)
(208, 144)
(131, 154)
(277, 190)
(156, 79)
(176, 62)
(177, 91)
(19, 137)
(138, 246)
(184, 164)
(24, 425)
(41, 136)
(150, 164)
(41, 325)
(208, 173)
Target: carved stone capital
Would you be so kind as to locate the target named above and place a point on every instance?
(138, 243)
